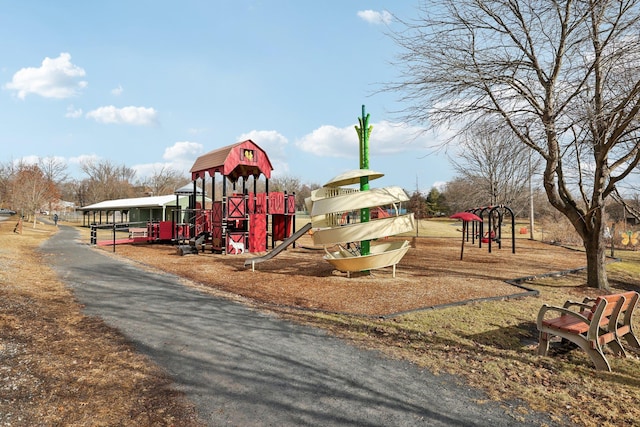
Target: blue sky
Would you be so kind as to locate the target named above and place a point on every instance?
(157, 83)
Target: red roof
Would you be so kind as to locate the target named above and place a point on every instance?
(242, 159)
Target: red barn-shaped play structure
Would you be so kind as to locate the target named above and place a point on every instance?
(239, 221)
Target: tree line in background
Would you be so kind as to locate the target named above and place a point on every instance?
(490, 170)
(31, 188)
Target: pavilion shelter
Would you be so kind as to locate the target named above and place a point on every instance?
(138, 209)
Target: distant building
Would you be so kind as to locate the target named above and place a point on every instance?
(138, 209)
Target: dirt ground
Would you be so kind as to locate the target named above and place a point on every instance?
(430, 274)
(63, 368)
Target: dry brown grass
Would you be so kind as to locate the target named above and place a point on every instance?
(492, 345)
(489, 345)
(60, 367)
(430, 274)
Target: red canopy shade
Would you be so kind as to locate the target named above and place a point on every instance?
(465, 217)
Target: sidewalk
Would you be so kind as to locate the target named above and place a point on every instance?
(242, 367)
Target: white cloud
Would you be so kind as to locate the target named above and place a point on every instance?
(84, 158)
(180, 157)
(117, 91)
(439, 185)
(330, 141)
(375, 17)
(73, 113)
(385, 138)
(274, 144)
(36, 160)
(183, 150)
(140, 116)
(55, 78)
(147, 170)
(27, 160)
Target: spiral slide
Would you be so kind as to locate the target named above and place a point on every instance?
(335, 211)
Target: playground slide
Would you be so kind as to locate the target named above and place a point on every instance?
(358, 231)
(282, 246)
(382, 255)
(331, 202)
(358, 200)
(353, 177)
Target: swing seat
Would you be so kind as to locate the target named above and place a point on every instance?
(487, 235)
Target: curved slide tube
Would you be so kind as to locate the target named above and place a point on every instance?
(359, 231)
(358, 200)
(281, 247)
(382, 255)
(328, 203)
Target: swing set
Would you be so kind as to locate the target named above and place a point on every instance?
(494, 216)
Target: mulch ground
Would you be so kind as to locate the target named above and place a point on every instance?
(431, 274)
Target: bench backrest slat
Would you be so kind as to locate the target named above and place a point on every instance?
(606, 311)
(627, 309)
(613, 302)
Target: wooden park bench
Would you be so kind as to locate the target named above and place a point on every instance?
(600, 321)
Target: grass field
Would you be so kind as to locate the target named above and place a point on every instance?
(489, 345)
(59, 367)
(492, 345)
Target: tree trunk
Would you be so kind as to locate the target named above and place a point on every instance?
(596, 263)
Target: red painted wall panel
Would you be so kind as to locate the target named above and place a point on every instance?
(257, 233)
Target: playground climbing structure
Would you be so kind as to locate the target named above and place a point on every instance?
(236, 221)
(241, 220)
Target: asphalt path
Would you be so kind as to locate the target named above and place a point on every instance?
(244, 367)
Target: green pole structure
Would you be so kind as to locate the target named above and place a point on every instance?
(364, 130)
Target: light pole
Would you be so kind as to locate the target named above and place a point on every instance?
(531, 221)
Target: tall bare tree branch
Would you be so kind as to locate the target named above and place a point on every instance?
(564, 76)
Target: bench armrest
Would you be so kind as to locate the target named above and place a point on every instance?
(583, 304)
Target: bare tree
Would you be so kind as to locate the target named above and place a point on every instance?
(499, 167)
(165, 181)
(462, 193)
(54, 169)
(417, 204)
(292, 184)
(564, 76)
(31, 190)
(107, 181)
(631, 209)
(6, 176)
(284, 183)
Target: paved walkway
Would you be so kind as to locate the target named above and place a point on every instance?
(242, 367)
